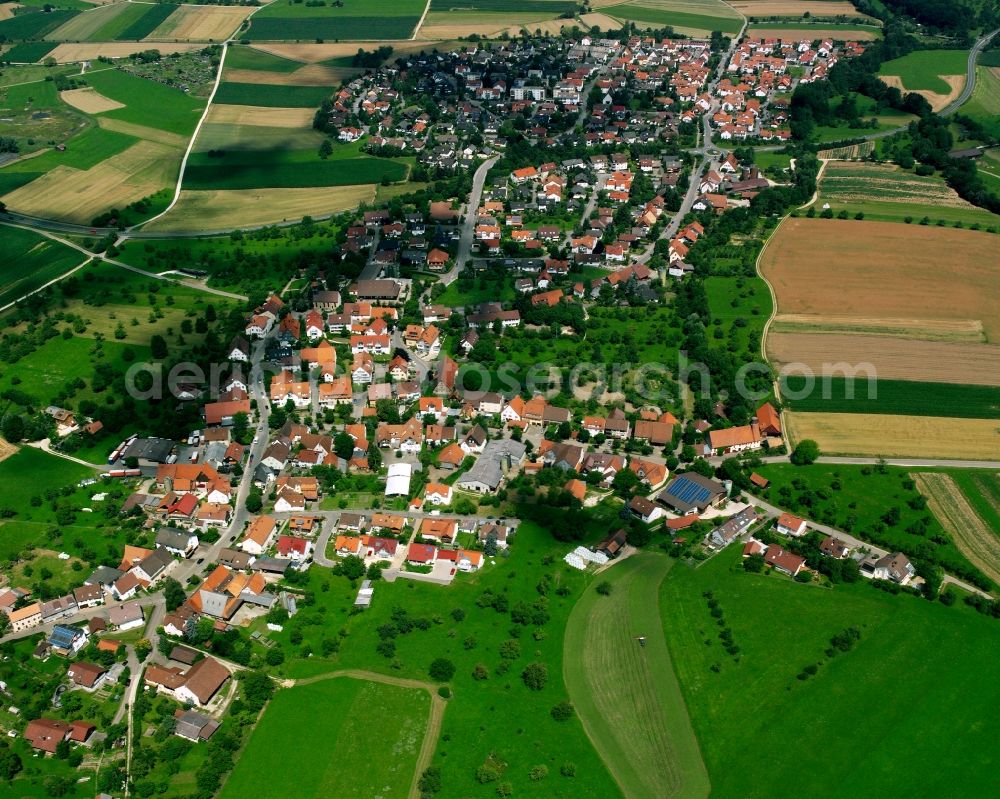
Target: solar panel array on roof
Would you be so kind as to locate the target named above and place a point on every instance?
(689, 491)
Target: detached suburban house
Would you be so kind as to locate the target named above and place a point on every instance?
(788, 524)
(692, 493)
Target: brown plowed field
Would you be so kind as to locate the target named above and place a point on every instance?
(894, 358)
(885, 269)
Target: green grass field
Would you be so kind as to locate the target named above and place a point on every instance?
(892, 396)
(364, 742)
(855, 499)
(29, 260)
(984, 104)
(626, 694)
(148, 103)
(29, 52)
(250, 58)
(726, 21)
(907, 658)
(252, 169)
(264, 94)
(145, 23)
(921, 69)
(361, 19)
(28, 471)
(83, 151)
(33, 111)
(33, 25)
(834, 133)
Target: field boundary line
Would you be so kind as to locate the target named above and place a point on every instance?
(420, 22)
(434, 719)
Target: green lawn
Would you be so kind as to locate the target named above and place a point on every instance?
(148, 103)
(364, 743)
(893, 396)
(660, 17)
(28, 471)
(770, 160)
(269, 95)
(29, 260)
(922, 69)
(858, 500)
(637, 718)
(915, 661)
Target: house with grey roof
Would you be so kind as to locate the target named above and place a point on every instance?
(499, 458)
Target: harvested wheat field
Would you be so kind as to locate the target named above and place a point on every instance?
(200, 23)
(883, 435)
(78, 195)
(969, 331)
(892, 358)
(260, 116)
(89, 51)
(453, 24)
(969, 530)
(6, 12)
(309, 75)
(221, 210)
(937, 101)
(814, 32)
(884, 269)
(602, 21)
(780, 8)
(89, 101)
